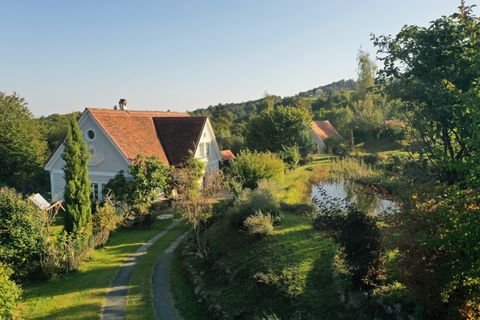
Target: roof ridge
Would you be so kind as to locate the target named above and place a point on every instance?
(133, 111)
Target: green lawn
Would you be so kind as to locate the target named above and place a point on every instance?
(80, 295)
(295, 186)
(139, 301)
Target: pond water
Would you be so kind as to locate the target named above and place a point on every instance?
(351, 192)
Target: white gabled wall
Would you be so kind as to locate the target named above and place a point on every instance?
(320, 143)
(207, 137)
(106, 160)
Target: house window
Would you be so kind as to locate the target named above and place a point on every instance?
(95, 191)
(90, 135)
(202, 149)
(104, 190)
(207, 149)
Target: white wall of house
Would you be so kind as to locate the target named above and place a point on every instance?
(320, 143)
(207, 149)
(105, 161)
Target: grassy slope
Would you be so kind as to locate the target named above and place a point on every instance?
(297, 259)
(295, 186)
(139, 300)
(80, 295)
(381, 147)
(300, 258)
(182, 291)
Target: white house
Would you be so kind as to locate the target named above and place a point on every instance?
(116, 137)
(323, 130)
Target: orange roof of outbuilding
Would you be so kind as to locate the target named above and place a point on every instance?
(324, 129)
(227, 155)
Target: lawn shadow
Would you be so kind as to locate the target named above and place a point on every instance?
(80, 312)
(323, 293)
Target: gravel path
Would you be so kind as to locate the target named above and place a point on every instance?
(163, 304)
(115, 302)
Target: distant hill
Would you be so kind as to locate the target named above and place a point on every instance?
(230, 120)
(249, 106)
(334, 86)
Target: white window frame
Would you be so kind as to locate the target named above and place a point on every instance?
(202, 149)
(98, 195)
(94, 134)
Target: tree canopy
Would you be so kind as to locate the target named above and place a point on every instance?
(22, 149)
(434, 70)
(279, 127)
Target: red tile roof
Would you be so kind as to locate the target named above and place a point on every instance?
(324, 129)
(133, 132)
(227, 155)
(179, 136)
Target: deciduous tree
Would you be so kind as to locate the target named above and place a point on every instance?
(195, 196)
(435, 70)
(275, 128)
(22, 149)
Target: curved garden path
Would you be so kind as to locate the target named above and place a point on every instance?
(114, 306)
(163, 304)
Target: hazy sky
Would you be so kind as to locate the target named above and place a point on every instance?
(64, 55)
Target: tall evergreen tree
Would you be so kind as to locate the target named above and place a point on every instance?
(78, 209)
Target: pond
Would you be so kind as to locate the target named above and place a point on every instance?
(351, 192)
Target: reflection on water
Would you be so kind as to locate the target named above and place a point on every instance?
(352, 192)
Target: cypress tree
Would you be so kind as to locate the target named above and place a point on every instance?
(78, 210)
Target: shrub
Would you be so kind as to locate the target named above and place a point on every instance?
(119, 188)
(336, 146)
(371, 159)
(291, 156)
(64, 254)
(259, 224)
(150, 179)
(394, 129)
(360, 238)
(252, 201)
(440, 259)
(22, 233)
(105, 220)
(9, 293)
(250, 167)
(357, 233)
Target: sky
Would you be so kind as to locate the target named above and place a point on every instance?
(62, 56)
